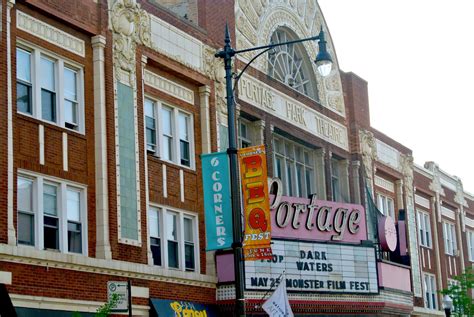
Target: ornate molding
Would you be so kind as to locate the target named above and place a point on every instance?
(257, 20)
(214, 69)
(368, 149)
(49, 33)
(130, 25)
(406, 167)
(169, 87)
(435, 184)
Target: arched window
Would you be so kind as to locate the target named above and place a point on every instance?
(291, 65)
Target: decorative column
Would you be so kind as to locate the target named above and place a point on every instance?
(10, 178)
(368, 150)
(406, 163)
(399, 193)
(344, 170)
(204, 94)
(130, 27)
(320, 171)
(437, 256)
(461, 224)
(356, 181)
(103, 250)
(258, 137)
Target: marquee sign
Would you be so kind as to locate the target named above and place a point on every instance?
(318, 220)
(316, 267)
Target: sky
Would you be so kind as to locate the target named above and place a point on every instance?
(418, 59)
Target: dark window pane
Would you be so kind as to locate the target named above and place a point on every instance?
(189, 256)
(26, 227)
(51, 234)
(173, 260)
(74, 237)
(155, 245)
(23, 97)
(184, 152)
(48, 105)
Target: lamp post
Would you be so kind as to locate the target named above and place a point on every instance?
(324, 63)
(447, 305)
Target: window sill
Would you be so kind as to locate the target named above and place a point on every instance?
(50, 124)
(169, 163)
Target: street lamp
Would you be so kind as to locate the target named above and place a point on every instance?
(447, 305)
(324, 64)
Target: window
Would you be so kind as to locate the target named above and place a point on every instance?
(51, 219)
(74, 226)
(424, 229)
(49, 88)
(335, 182)
(294, 165)
(430, 291)
(178, 249)
(172, 239)
(23, 81)
(155, 237)
(449, 236)
(169, 133)
(470, 244)
(189, 244)
(26, 215)
(150, 124)
(244, 134)
(290, 64)
(51, 214)
(386, 206)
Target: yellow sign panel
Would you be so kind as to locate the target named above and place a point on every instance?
(253, 173)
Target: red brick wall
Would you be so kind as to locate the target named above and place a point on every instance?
(25, 129)
(79, 285)
(3, 127)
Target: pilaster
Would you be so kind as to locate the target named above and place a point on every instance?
(103, 249)
(204, 94)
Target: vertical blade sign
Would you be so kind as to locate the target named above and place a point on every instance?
(217, 201)
(255, 198)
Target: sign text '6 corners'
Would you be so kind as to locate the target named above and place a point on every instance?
(316, 219)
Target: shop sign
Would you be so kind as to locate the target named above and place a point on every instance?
(319, 220)
(121, 289)
(255, 202)
(217, 200)
(174, 308)
(315, 267)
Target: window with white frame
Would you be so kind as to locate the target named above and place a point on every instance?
(173, 238)
(335, 180)
(294, 165)
(244, 134)
(49, 88)
(386, 205)
(449, 235)
(470, 244)
(169, 133)
(51, 214)
(424, 229)
(430, 291)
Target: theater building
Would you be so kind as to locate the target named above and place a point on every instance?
(109, 105)
(310, 126)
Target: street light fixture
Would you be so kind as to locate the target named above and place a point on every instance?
(324, 64)
(447, 305)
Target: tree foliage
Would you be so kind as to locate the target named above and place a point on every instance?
(460, 292)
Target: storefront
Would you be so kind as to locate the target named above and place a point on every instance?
(320, 250)
(173, 308)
